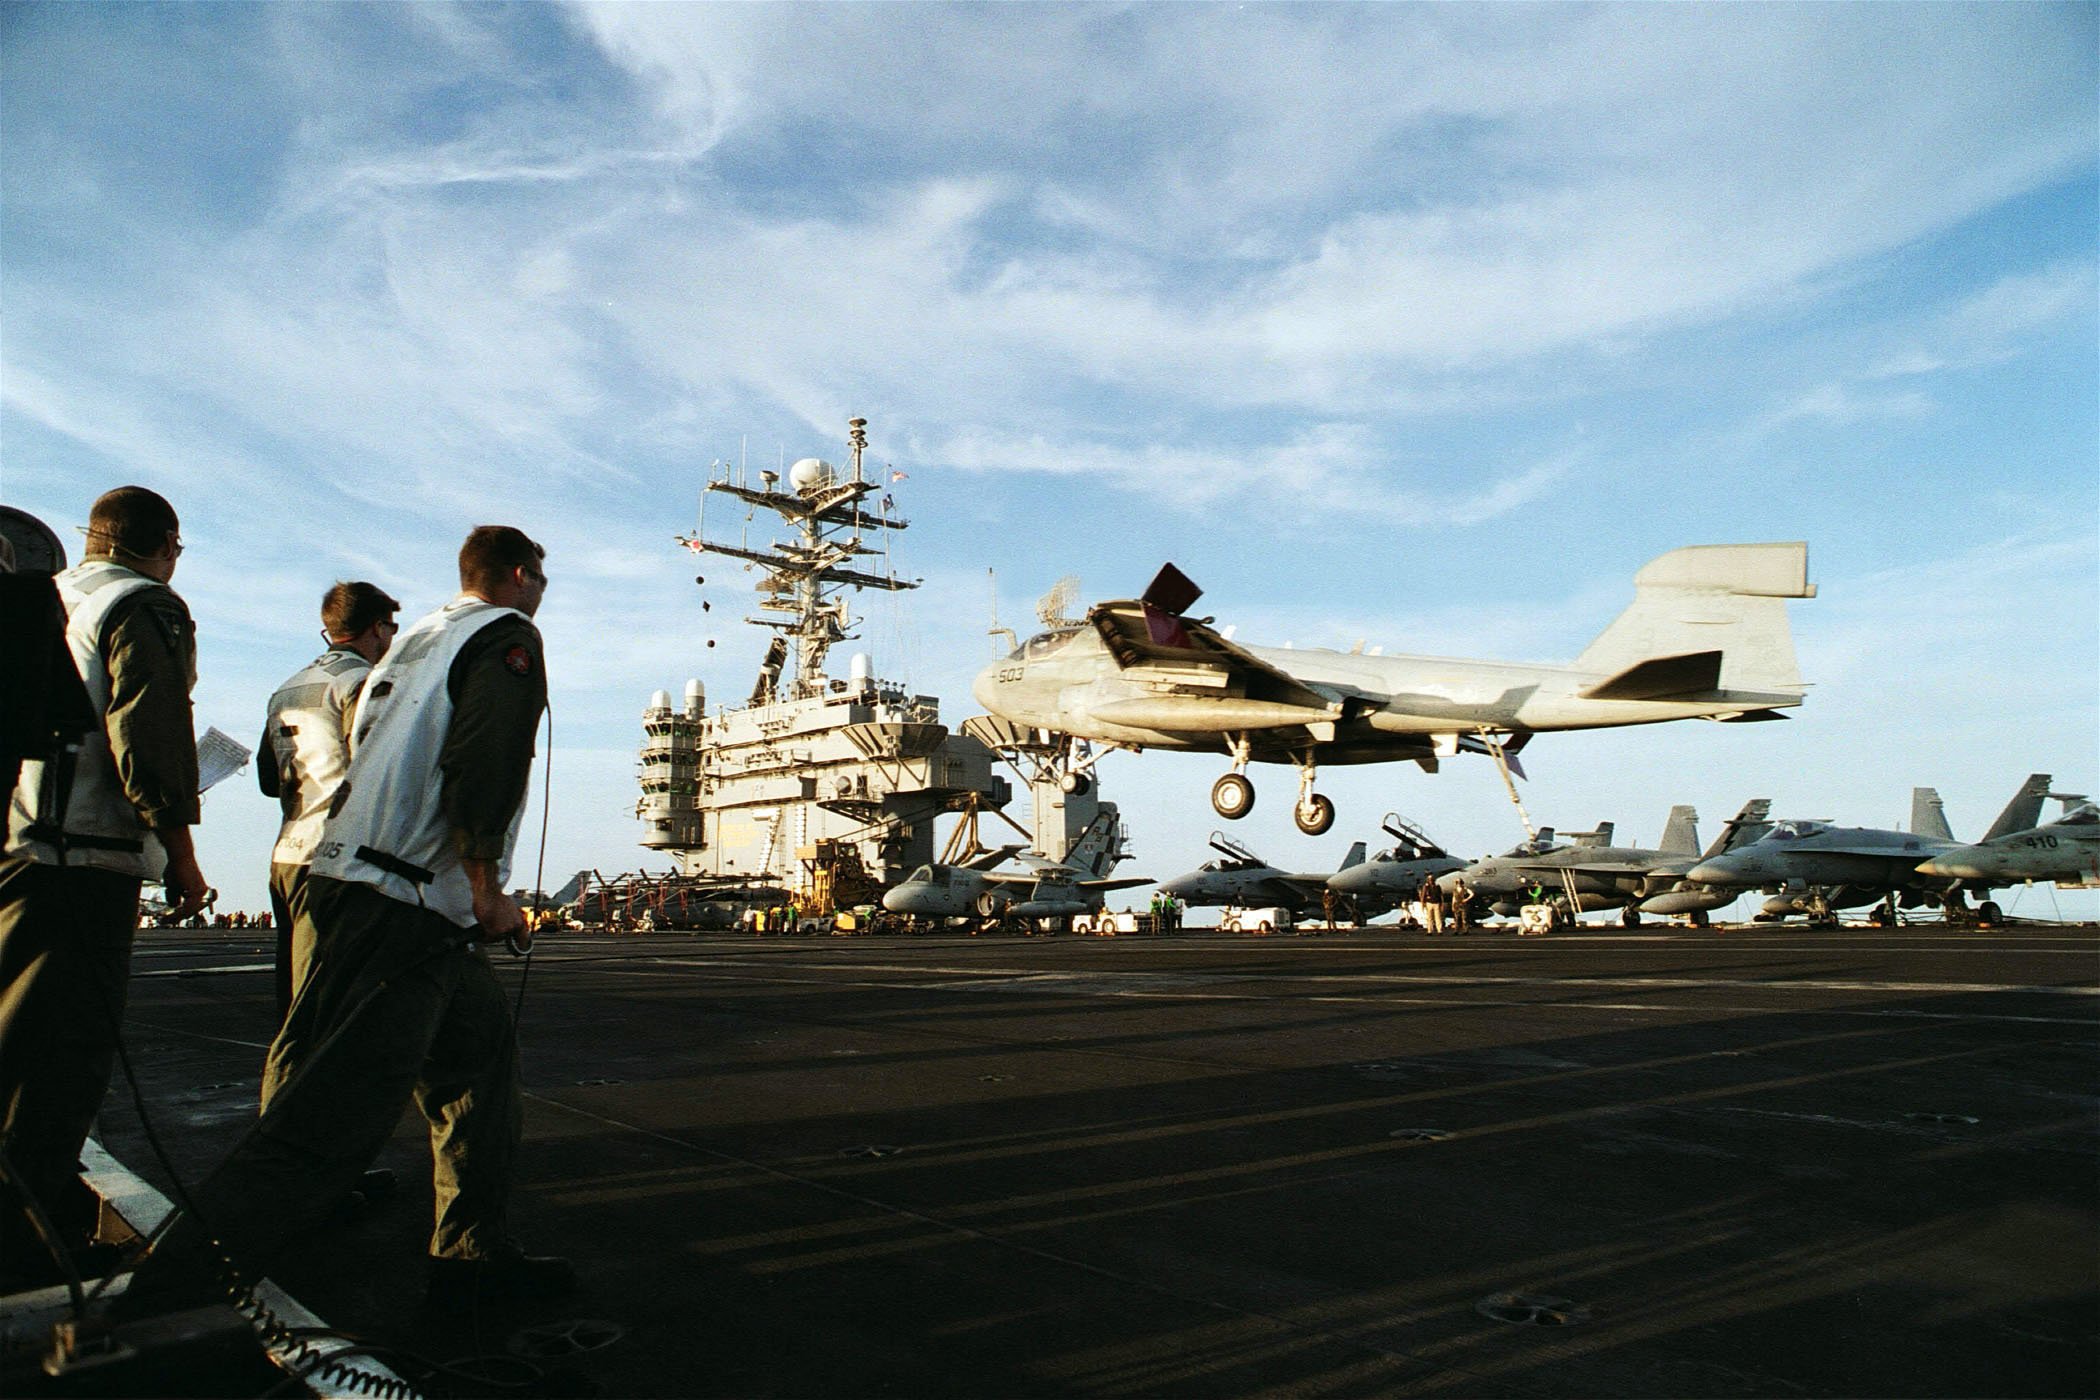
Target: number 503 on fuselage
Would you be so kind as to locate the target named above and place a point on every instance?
(1706, 637)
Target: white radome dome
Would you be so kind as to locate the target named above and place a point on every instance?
(810, 474)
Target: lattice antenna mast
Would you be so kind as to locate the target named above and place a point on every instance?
(806, 576)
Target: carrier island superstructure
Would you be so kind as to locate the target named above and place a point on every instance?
(825, 785)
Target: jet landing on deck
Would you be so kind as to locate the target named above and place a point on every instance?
(1706, 637)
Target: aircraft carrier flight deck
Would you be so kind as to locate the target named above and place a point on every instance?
(1713, 1162)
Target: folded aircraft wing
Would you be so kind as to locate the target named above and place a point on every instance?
(1121, 882)
(1152, 634)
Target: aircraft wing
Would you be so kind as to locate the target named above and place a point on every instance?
(1587, 867)
(990, 858)
(1122, 882)
(1152, 634)
(1924, 852)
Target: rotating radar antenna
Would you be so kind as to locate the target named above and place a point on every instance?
(805, 576)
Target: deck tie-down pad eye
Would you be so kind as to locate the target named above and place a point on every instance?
(1532, 1310)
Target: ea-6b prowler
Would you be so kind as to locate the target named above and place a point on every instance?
(1705, 638)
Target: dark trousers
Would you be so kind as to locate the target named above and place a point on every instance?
(395, 1007)
(287, 900)
(65, 965)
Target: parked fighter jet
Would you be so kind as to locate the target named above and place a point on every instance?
(2067, 850)
(1813, 867)
(1600, 875)
(1243, 878)
(1045, 889)
(1503, 882)
(1705, 637)
(1393, 876)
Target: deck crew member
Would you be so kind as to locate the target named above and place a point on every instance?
(85, 827)
(1432, 901)
(305, 749)
(400, 1001)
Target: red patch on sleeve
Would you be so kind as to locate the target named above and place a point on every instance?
(519, 660)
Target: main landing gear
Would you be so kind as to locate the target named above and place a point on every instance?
(1232, 796)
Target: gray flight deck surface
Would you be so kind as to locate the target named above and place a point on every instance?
(1748, 1162)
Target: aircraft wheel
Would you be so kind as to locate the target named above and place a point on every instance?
(1232, 796)
(1314, 815)
(1700, 918)
(1629, 917)
(1988, 913)
(1078, 784)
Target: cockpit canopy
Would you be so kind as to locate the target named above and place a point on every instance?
(1797, 830)
(935, 875)
(1045, 644)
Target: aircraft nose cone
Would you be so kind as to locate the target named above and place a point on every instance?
(1448, 881)
(901, 900)
(983, 688)
(1717, 872)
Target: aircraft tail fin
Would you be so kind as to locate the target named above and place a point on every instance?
(2024, 812)
(1704, 620)
(1355, 856)
(1743, 828)
(1681, 833)
(571, 892)
(1097, 849)
(1928, 817)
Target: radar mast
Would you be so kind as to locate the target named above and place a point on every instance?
(805, 576)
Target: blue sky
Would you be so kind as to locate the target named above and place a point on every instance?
(1424, 324)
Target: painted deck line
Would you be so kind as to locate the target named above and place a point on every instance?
(1022, 978)
(207, 971)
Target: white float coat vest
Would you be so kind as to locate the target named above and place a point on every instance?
(99, 827)
(306, 732)
(387, 828)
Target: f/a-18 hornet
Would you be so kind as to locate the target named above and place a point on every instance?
(1706, 637)
(1393, 876)
(1632, 878)
(2066, 851)
(1243, 879)
(1045, 889)
(1814, 867)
